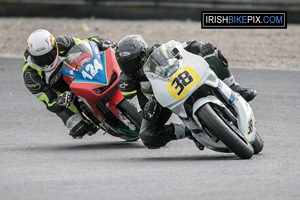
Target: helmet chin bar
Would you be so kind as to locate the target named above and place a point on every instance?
(51, 67)
(139, 74)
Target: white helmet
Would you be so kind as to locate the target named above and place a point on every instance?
(43, 49)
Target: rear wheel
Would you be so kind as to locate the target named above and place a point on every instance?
(216, 122)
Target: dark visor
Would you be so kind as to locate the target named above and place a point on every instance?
(130, 67)
(46, 59)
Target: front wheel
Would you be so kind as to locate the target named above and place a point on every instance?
(131, 119)
(217, 124)
(258, 144)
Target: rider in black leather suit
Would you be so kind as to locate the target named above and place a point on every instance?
(131, 53)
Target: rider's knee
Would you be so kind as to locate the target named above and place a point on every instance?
(155, 137)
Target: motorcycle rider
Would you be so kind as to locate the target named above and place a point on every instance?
(43, 77)
(131, 53)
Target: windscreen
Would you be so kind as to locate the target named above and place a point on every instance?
(164, 60)
(78, 56)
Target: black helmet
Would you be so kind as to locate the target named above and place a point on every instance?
(131, 55)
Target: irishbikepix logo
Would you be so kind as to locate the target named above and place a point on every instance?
(236, 19)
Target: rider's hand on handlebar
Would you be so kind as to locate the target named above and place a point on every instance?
(207, 49)
(66, 99)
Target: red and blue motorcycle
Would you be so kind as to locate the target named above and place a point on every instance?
(93, 76)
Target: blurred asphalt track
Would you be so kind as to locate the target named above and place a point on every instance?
(38, 160)
(143, 9)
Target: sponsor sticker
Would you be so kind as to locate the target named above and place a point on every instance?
(250, 126)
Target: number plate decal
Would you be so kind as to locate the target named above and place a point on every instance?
(250, 126)
(182, 81)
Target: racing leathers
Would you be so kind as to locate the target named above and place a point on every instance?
(154, 132)
(50, 88)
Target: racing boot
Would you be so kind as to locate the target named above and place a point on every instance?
(247, 93)
(92, 129)
(169, 132)
(152, 135)
(83, 128)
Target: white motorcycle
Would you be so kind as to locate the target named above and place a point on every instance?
(219, 118)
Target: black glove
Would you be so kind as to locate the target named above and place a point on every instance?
(151, 110)
(207, 49)
(114, 46)
(65, 99)
(106, 44)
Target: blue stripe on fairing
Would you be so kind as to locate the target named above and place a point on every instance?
(219, 87)
(196, 131)
(185, 119)
(232, 97)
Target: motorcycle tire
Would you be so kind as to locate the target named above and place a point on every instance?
(224, 131)
(258, 144)
(132, 114)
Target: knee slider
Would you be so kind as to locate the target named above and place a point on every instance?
(155, 138)
(151, 139)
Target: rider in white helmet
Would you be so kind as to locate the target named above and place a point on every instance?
(43, 50)
(43, 77)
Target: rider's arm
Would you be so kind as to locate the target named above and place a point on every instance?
(38, 87)
(102, 43)
(33, 79)
(213, 56)
(69, 114)
(65, 43)
(199, 48)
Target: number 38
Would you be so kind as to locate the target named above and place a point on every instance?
(181, 81)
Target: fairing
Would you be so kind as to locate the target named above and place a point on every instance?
(93, 79)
